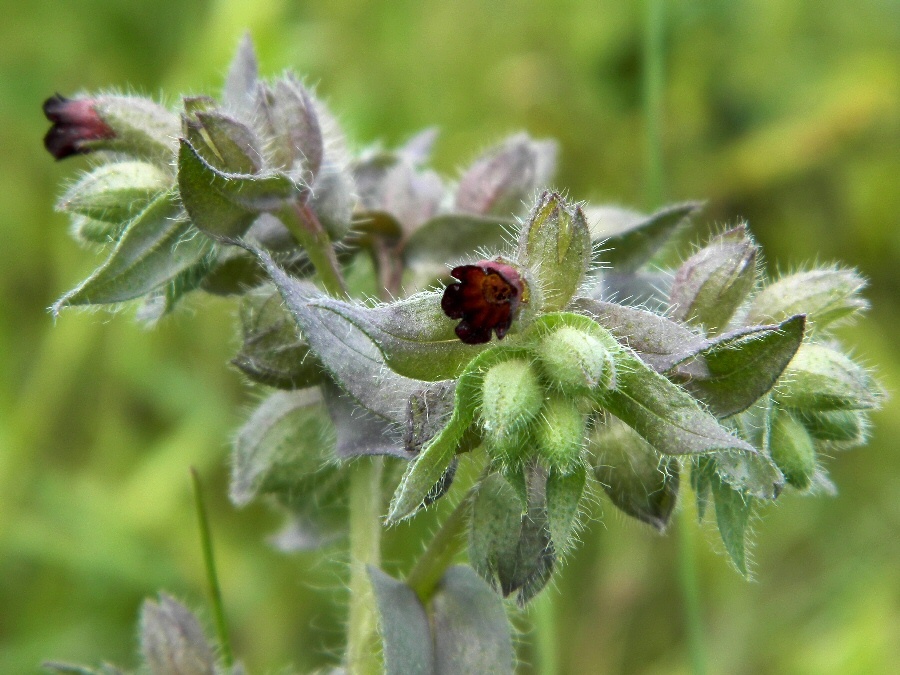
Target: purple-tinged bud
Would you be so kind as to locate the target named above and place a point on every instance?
(487, 298)
(76, 126)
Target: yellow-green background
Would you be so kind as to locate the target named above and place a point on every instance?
(783, 112)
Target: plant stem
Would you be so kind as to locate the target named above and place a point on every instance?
(211, 576)
(654, 83)
(363, 646)
(303, 223)
(546, 643)
(443, 547)
(688, 580)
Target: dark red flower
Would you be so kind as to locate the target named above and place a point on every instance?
(486, 298)
(75, 124)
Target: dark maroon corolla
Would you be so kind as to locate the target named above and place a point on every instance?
(486, 298)
(76, 124)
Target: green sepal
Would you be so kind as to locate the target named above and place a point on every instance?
(564, 492)
(156, 247)
(793, 450)
(556, 244)
(733, 511)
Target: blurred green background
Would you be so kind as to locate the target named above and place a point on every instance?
(783, 112)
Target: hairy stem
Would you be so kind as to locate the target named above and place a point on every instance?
(303, 223)
(363, 647)
(443, 547)
(212, 577)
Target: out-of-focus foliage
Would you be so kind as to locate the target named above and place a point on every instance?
(784, 113)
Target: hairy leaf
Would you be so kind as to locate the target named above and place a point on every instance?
(404, 627)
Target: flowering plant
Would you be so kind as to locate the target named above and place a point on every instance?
(524, 353)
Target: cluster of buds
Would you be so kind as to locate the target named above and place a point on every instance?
(548, 369)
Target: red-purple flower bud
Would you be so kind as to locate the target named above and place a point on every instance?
(486, 298)
(76, 123)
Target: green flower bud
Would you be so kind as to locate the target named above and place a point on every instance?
(512, 396)
(576, 361)
(820, 378)
(559, 434)
(713, 282)
(836, 426)
(556, 244)
(792, 450)
(115, 193)
(823, 295)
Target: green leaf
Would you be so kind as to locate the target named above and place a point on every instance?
(446, 239)
(359, 432)
(820, 378)
(733, 511)
(563, 497)
(824, 295)
(224, 205)
(711, 284)
(631, 238)
(115, 192)
(556, 244)
(793, 450)
(431, 464)
(404, 627)
(164, 300)
(471, 631)
(634, 476)
(415, 336)
(734, 372)
(284, 448)
(157, 246)
(752, 473)
(349, 355)
(273, 353)
(428, 411)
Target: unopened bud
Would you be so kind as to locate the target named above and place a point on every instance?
(576, 361)
(792, 450)
(128, 124)
(556, 244)
(559, 434)
(512, 396)
(837, 426)
(116, 192)
(713, 282)
(820, 378)
(824, 295)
